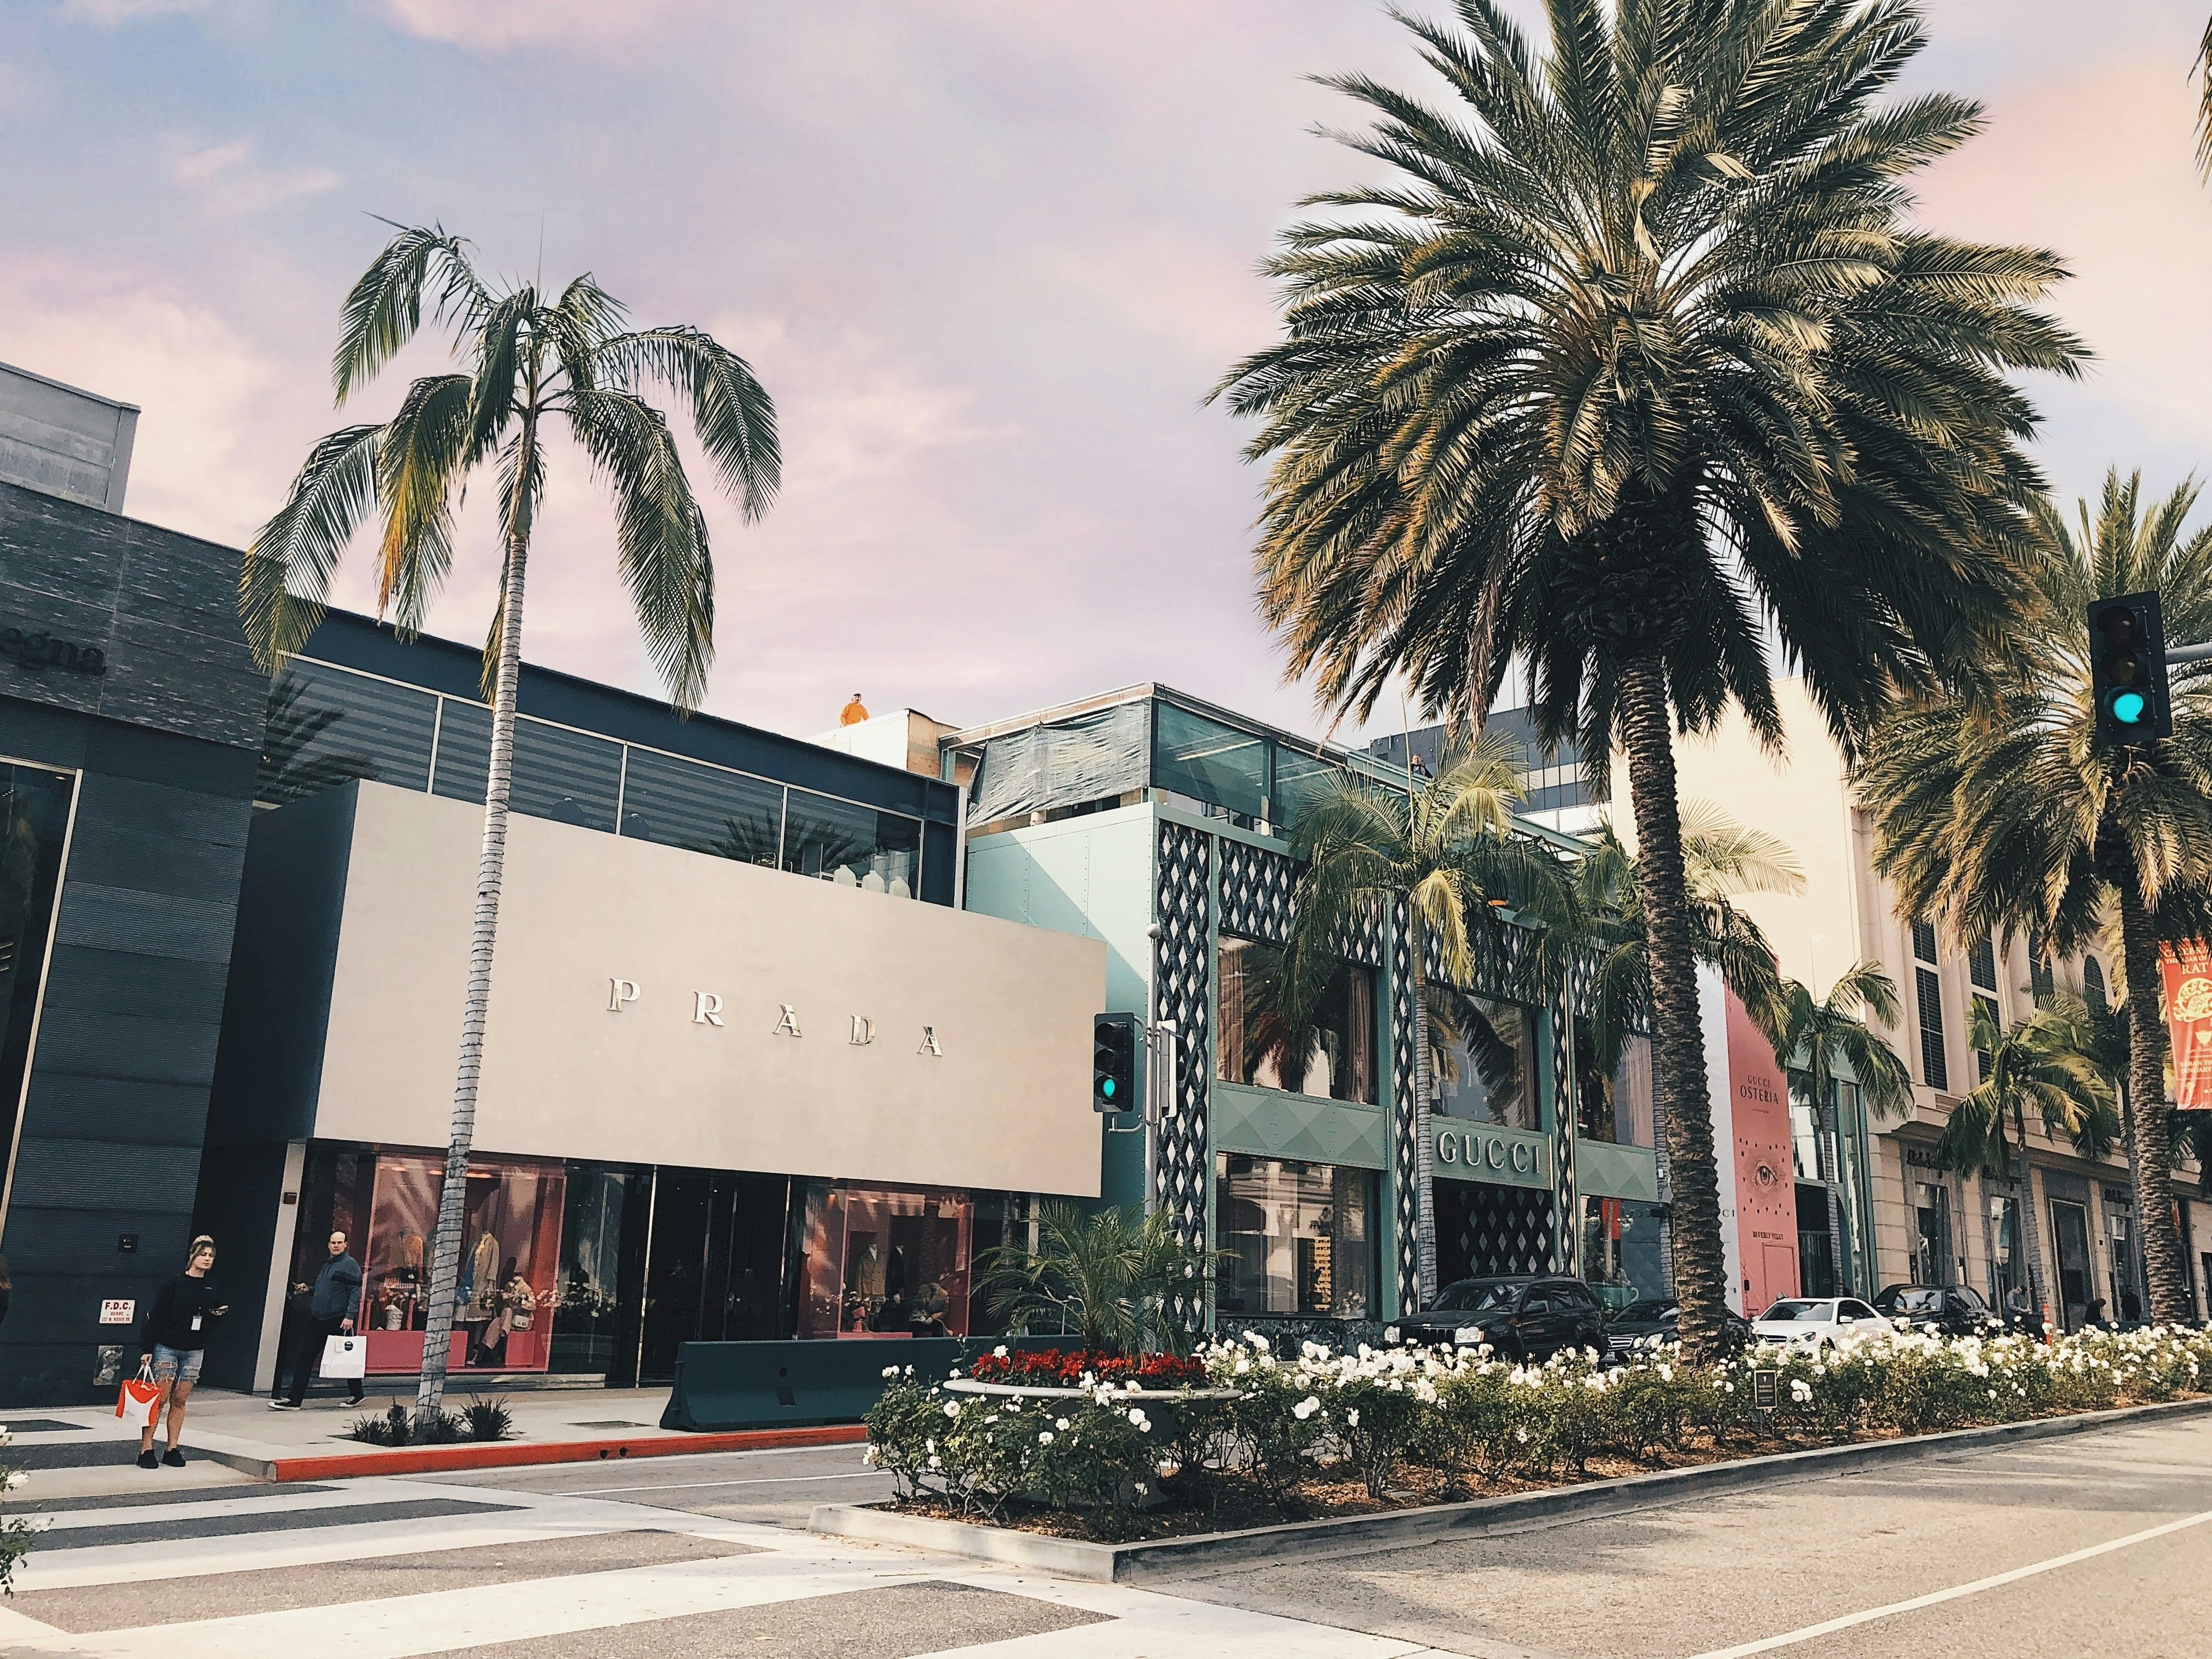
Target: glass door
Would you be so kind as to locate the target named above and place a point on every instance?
(2069, 1234)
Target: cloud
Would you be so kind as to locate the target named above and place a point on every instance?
(228, 184)
(202, 463)
(111, 13)
(495, 26)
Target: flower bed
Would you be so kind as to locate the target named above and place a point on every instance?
(1336, 1433)
(1051, 1369)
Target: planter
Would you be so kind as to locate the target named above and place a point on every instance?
(1032, 1391)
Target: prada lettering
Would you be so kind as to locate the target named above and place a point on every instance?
(1470, 1149)
(707, 1008)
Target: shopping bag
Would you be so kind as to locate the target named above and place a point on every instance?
(345, 1356)
(139, 1400)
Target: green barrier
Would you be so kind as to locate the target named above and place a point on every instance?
(773, 1385)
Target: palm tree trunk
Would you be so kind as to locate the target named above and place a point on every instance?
(1678, 1036)
(2030, 1243)
(2153, 1136)
(491, 867)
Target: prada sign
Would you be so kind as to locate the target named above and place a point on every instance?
(708, 1010)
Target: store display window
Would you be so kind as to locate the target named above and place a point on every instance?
(1620, 1251)
(511, 1220)
(1483, 1060)
(1296, 1239)
(1331, 1054)
(884, 1261)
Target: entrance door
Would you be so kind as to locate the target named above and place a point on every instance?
(717, 1269)
(2070, 1233)
(1816, 1251)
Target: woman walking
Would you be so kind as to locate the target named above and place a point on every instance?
(184, 1312)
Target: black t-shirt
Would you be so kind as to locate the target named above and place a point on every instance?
(179, 1302)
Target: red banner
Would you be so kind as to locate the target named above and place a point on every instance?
(2187, 970)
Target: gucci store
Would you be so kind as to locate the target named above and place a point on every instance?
(743, 1078)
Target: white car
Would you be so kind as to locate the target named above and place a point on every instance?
(1805, 1322)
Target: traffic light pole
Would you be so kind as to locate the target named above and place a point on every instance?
(2190, 652)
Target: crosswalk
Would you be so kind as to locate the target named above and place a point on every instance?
(389, 1569)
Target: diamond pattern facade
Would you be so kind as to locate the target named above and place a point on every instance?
(1183, 970)
(1483, 1229)
(1405, 1126)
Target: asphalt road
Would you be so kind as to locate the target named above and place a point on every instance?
(1730, 1575)
(1760, 1572)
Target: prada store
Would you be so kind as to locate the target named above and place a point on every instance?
(727, 1093)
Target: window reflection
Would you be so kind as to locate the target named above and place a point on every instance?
(34, 809)
(1613, 1106)
(853, 845)
(1483, 1056)
(1331, 1054)
(1297, 1238)
(1214, 762)
(704, 808)
(324, 726)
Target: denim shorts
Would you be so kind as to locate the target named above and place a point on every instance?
(177, 1364)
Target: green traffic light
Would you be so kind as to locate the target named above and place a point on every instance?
(2128, 707)
(1106, 1087)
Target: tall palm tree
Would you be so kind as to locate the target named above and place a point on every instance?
(534, 357)
(1817, 1038)
(1636, 356)
(2043, 1063)
(2000, 812)
(1448, 848)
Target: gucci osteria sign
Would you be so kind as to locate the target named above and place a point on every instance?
(708, 1010)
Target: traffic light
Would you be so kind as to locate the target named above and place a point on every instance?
(1113, 1063)
(2127, 670)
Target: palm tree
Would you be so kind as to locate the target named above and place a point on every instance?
(1111, 1275)
(1447, 848)
(1816, 1038)
(1637, 356)
(2044, 1062)
(2000, 812)
(533, 356)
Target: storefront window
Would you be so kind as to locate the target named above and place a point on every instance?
(1298, 1238)
(35, 808)
(853, 845)
(1484, 1056)
(1620, 1251)
(599, 1236)
(1331, 1055)
(882, 1262)
(511, 1220)
(1614, 1107)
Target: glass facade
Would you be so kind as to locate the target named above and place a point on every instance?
(1620, 1251)
(34, 816)
(1331, 1055)
(887, 1262)
(1483, 1060)
(1298, 1239)
(328, 724)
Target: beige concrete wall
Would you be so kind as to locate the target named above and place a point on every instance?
(1004, 1101)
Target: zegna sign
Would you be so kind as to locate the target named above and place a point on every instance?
(707, 1009)
(1477, 1154)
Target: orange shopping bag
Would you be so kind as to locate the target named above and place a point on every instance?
(140, 1398)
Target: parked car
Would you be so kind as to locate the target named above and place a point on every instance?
(1950, 1309)
(1808, 1322)
(1524, 1316)
(1656, 1321)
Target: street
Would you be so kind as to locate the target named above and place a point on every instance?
(708, 1555)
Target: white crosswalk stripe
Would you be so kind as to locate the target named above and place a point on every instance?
(178, 1581)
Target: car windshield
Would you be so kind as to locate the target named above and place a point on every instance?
(1914, 1301)
(1475, 1296)
(1811, 1312)
(1647, 1312)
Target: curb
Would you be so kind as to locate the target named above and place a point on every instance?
(433, 1460)
(1122, 1564)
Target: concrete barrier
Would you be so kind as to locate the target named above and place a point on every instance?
(763, 1385)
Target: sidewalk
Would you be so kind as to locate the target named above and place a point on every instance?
(241, 1430)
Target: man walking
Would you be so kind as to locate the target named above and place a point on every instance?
(330, 1309)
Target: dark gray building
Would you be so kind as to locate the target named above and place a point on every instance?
(131, 717)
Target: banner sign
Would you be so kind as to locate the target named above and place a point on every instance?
(2187, 971)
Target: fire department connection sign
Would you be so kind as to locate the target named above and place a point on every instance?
(2187, 971)
(113, 1312)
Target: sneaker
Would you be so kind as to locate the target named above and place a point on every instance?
(174, 1458)
(147, 1461)
(283, 1405)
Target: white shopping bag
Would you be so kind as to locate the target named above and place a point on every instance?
(344, 1357)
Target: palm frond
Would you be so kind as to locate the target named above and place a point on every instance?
(384, 308)
(284, 580)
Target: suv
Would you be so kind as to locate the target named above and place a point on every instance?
(1657, 1320)
(1523, 1317)
(1951, 1309)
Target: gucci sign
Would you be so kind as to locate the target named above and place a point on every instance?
(1471, 1149)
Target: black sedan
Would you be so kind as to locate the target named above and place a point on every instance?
(1657, 1320)
(1950, 1309)
(1524, 1317)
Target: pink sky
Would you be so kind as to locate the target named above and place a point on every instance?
(987, 258)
